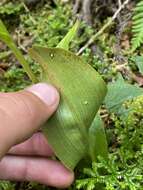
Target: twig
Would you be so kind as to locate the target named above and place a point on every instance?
(119, 3)
(28, 11)
(76, 6)
(124, 69)
(19, 41)
(94, 37)
(119, 31)
(86, 11)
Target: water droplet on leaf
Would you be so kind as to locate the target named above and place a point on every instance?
(51, 55)
(85, 102)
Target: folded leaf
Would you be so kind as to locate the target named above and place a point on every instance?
(82, 91)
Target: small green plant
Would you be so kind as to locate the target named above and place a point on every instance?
(124, 168)
(137, 28)
(109, 175)
(131, 121)
(44, 27)
(10, 8)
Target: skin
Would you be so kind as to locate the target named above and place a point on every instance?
(24, 151)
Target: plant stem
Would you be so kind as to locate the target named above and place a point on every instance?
(7, 39)
(23, 62)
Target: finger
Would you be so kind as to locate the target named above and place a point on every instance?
(22, 113)
(44, 171)
(36, 145)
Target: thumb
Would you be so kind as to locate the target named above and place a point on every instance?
(22, 113)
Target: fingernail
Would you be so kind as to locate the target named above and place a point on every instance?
(47, 93)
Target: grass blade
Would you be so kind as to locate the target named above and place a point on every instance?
(7, 39)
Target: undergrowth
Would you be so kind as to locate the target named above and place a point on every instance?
(46, 25)
(137, 28)
(124, 169)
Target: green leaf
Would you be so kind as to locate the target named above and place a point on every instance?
(69, 36)
(139, 63)
(82, 91)
(119, 92)
(97, 139)
(7, 39)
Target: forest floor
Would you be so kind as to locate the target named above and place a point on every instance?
(106, 40)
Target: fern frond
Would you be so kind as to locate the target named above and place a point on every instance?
(137, 28)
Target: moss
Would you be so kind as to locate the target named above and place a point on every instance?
(135, 116)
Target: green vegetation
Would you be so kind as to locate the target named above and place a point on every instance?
(123, 170)
(137, 28)
(46, 23)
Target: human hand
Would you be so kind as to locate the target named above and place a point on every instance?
(23, 150)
